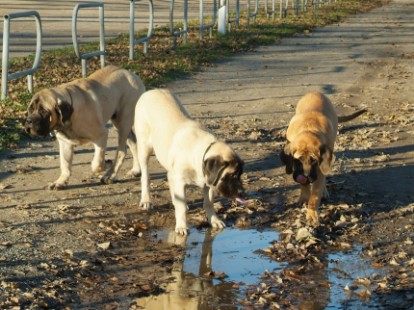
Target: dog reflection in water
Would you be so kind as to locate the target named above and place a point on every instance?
(188, 290)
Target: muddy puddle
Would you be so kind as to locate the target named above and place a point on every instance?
(350, 278)
(221, 268)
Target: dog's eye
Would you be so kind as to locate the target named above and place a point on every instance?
(313, 161)
(44, 112)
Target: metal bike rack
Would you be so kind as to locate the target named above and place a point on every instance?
(182, 32)
(300, 6)
(296, 4)
(270, 13)
(5, 76)
(101, 52)
(213, 21)
(304, 5)
(284, 9)
(132, 41)
(237, 18)
(254, 13)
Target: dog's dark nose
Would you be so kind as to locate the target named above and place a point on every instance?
(28, 125)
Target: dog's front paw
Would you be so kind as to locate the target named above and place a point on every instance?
(217, 223)
(98, 168)
(134, 173)
(109, 176)
(56, 186)
(183, 231)
(108, 179)
(145, 205)
(312, 217)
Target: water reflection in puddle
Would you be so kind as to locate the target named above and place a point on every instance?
(343, 269)
(232, 252)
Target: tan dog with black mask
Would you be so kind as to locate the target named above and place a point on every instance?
(309, 151)
(78, 113)
(189, 153)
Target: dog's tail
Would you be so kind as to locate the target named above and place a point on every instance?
(346, 118)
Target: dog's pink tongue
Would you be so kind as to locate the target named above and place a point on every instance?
(302, 179)
(241, 200)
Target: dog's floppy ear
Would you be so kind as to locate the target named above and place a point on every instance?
(213, 168)
(287, 158)
(326, 159)
(64, 109)
(34, 104)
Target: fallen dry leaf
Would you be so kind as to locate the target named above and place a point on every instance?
(104, 245)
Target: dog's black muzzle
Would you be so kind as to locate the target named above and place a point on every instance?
(37, 126)
(231, 188)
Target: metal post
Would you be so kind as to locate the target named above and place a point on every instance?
(270, 13)
(182, 32)
(213, 21)
(144, 40)
(287, 8)
(254, 14)
(101, 52)
(5, 59)
(102, 34)
(237, 18)
(131, 28)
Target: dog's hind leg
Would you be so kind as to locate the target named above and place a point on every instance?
(144, 152)
(112, 172)
(132, 145)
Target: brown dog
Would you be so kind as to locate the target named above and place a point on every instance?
(78, 112)
(309, 151)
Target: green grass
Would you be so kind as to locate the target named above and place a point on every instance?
(162, 64)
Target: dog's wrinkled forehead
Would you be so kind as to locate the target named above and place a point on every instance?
(306, 154)
(230, 184)
(236, 165)
(306, 147)
(39, 103)
(34, 105)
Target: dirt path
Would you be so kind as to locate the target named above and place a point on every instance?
(90, 246)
